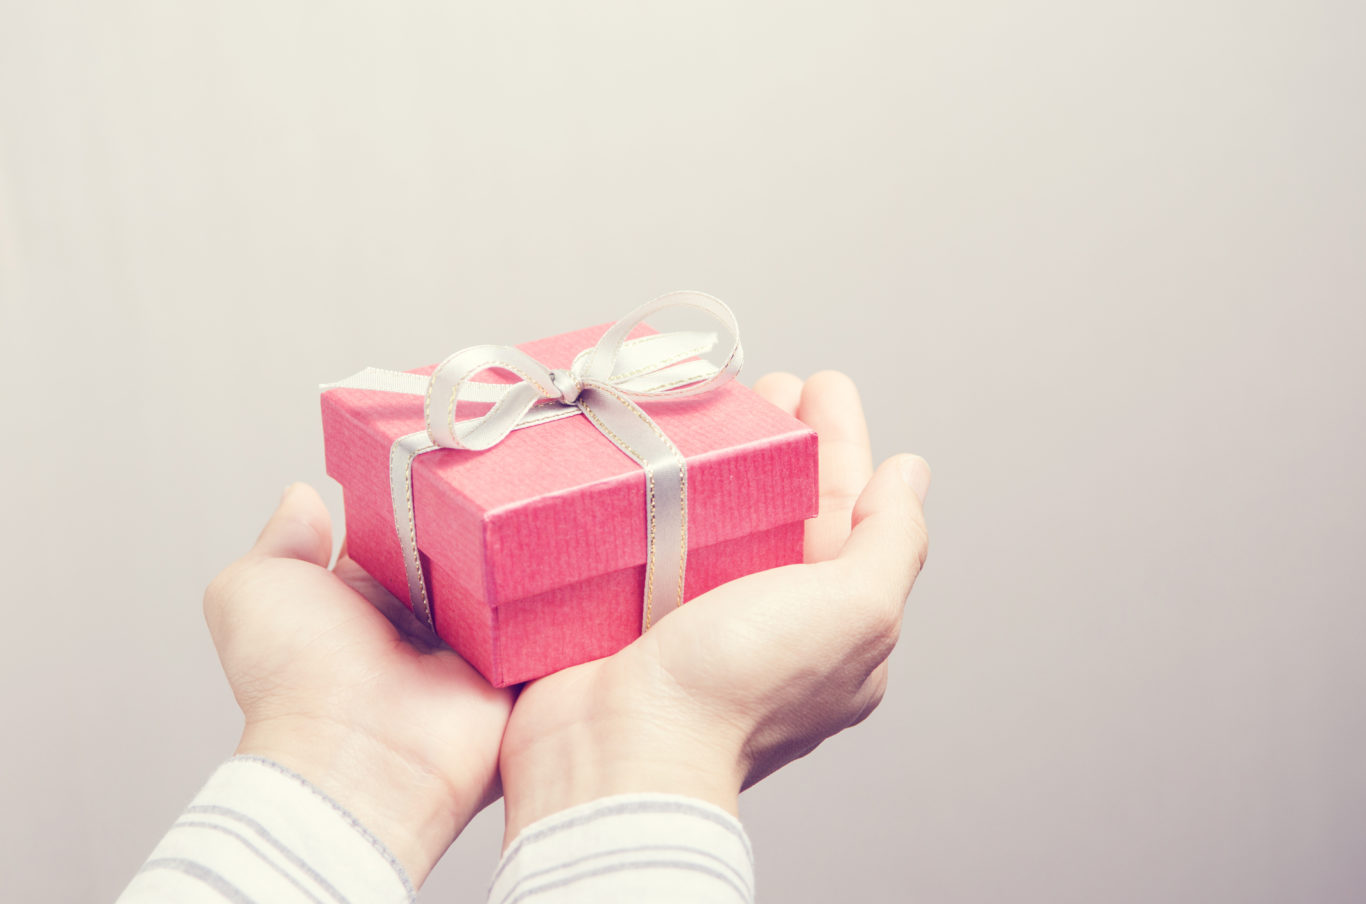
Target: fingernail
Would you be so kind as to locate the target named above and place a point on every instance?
(916, 472)
(285, 493)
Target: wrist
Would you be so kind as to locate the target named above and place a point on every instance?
(413, 812)
(606, 750)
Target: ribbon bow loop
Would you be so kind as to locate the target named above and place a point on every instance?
(665, 364)
(453, 382)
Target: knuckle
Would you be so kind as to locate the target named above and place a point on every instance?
(219, 591)
(884, 630)
(880, 682)
(213, 597)
(913, 542)
(918, 538)
(877, 690)
(871, 694)
(876, 608)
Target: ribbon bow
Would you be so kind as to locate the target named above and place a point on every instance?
(603, 384)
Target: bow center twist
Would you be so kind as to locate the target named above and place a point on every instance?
(568, 384)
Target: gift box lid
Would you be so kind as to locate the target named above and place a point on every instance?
(558, 502)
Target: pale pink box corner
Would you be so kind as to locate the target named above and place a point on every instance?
(534, 551)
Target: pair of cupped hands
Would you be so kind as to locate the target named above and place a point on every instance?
(340, 683)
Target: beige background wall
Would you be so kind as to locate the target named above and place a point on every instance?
(1101, 263)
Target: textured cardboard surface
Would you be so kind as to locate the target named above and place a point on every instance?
(534, 550)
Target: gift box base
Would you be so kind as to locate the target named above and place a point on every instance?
(524, 639)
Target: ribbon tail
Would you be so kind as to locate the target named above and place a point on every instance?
(666, 493)
(401, 456)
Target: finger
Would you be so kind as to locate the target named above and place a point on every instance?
(782, 389)
(299, 529)
(889, 542)
(830, 405)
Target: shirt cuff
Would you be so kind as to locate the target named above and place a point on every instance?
(632, 847)
(260, 832)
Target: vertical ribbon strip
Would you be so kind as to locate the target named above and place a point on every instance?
(604, 384)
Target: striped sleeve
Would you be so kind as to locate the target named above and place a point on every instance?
(635, 847)
(258, 832)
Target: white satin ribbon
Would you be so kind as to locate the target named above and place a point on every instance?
(603, 384)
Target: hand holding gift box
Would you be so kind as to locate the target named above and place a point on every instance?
(644, 477)
(411, 741)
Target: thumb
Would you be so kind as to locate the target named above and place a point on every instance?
(300, 528)
(890, 541)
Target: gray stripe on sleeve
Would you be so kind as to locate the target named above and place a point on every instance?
(345, 814)
(214, 827)
(261, 831)
(738, 879)
(740, 893)
(618, 809)
(202, 873)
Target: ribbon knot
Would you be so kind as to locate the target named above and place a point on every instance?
(568, 384)
(604, 384)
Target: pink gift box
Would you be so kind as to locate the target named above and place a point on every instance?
(534, 551)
